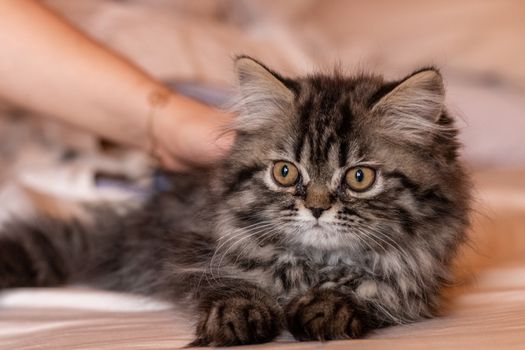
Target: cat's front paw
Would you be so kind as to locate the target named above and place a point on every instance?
(323, 315)
(239, 320)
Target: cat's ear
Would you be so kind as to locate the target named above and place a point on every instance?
(263, 95)
(413, 107)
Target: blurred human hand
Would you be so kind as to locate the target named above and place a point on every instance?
(83, 83)
(186, 133)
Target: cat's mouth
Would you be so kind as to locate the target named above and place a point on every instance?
(319, 226)
(319, 235)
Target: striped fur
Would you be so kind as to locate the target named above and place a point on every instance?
(247, 255)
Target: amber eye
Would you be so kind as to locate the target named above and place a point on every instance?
(361, 178)
(285, 173)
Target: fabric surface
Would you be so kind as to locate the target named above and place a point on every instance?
(485, 310)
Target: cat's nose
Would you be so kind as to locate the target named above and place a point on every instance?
(317, 199)
(317, 212)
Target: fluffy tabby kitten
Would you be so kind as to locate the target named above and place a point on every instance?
(337, 211)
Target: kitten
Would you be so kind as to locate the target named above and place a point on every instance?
(337, 211)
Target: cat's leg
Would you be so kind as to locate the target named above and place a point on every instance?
(350, 310)
(235, 312)
(45, 252)
(324, 314)
(39, 254)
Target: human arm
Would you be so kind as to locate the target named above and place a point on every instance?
(48, 66)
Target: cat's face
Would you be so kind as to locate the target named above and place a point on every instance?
(326, 162)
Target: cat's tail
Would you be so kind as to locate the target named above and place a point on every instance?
(49, 252)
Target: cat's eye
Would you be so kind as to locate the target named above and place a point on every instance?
(285, 173)
(360, 178)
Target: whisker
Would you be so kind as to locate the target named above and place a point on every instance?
(264, 236)
(233, 235)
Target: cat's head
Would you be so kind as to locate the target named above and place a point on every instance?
(332, 162)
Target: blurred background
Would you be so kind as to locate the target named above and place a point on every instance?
(478, 45)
